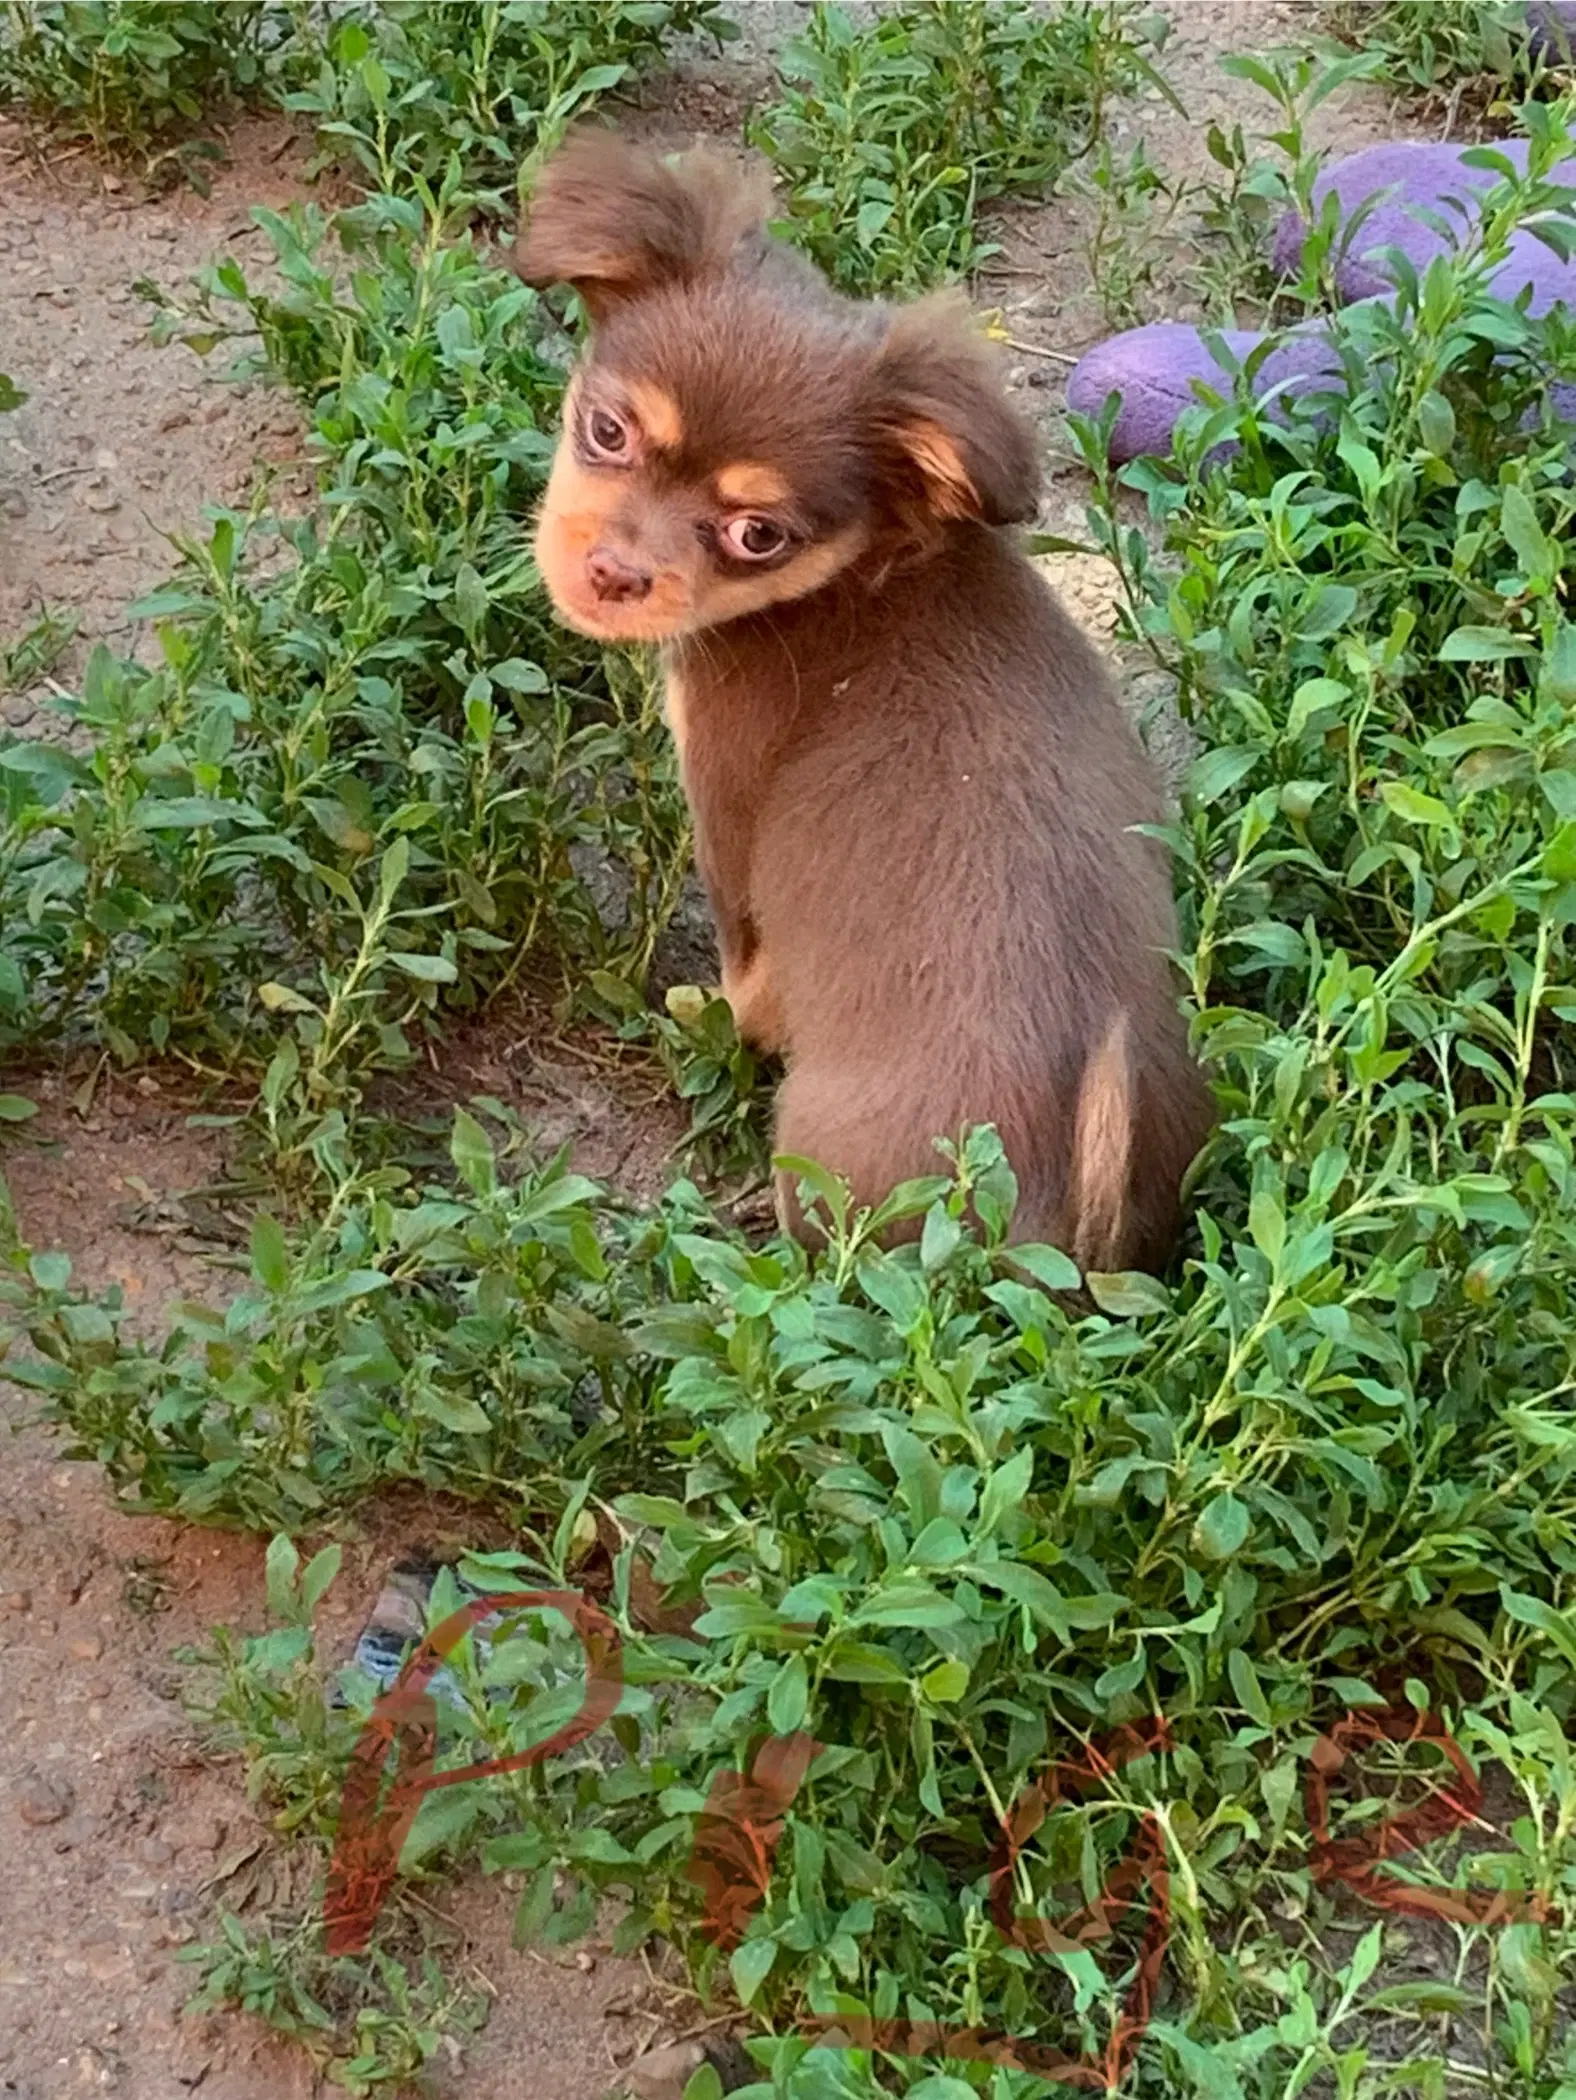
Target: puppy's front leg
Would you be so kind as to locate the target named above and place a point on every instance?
(720, 804)
(757, 1015)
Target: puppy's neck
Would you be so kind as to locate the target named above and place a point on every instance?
(831, 630)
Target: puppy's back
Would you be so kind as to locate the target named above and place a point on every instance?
(960, 922)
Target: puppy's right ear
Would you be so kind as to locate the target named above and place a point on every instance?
(614, 221)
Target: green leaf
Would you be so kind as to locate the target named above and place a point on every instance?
(1266, 1210)
(1250, 1693)
(1559, 666)
(789, 1696)
(1436, 423)
(1560, 1627)
(515, 675)
(1128, 1294)
(1217, 773)
(280, 999)
(704, 2084)
(1005, 1489)
(470, 597)
(1414, 807)
(427, 969)
(279, 1575)
(1483, 645)
(1519, 523)
(1427, 1997)
(270, 1260)
(1049, 1267)
(1222, 1527)
(750, 1966)
(1365, 1957)
(946, 1683)
(16, 1108)
(471, 1151)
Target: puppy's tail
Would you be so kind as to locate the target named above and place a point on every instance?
(1100, 1184)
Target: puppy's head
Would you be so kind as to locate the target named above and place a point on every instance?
(738, 435)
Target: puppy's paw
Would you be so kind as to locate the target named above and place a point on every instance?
(756, 1012)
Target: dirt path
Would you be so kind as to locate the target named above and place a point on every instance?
(120, 1839)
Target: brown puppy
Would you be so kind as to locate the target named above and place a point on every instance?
(913, 788)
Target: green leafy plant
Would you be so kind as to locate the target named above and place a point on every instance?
(371, 777)
(399, 90)
(891, 137)
(135, 76)
(1477, 50)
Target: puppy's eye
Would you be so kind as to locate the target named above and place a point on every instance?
(606, 435)
(754, 539)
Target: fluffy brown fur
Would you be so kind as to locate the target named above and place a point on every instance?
(913, 787)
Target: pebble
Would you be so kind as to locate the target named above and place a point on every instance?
(87, 1649)
(205, 1835)
(40, 1800)
(18, 1600)
(155, 1852)
(662, 2074)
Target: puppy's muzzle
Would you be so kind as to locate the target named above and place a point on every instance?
(614, 580)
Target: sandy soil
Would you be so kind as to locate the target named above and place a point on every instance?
(121, 1840)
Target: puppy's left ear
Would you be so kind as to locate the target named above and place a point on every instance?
(944, 422)
(614, 220)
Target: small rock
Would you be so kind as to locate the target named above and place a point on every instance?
(177, 419)
(662, 2074)
(106, 460)
(205, 1835)
(216, 411)
(155, 1852)
(585, 1963)
(86, 1649)
(18, 1600)
(40, 1800)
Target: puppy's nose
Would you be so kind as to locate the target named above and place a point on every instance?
(616, 581)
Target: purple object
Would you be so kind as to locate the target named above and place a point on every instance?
(1153, 369)
(1551, 30)
(1428, 206)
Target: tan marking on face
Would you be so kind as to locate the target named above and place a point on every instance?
(731, 597)
(749, 482)
(575, 517)
(934, 451)
(757, 1012)
(657, 412)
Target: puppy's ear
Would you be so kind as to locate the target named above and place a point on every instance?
(944, 423)
(615, 221)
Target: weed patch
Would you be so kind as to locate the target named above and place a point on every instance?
(893, 136)
(136, 76)
(1477, 55)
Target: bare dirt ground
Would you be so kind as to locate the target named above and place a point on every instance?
(121, 1839)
